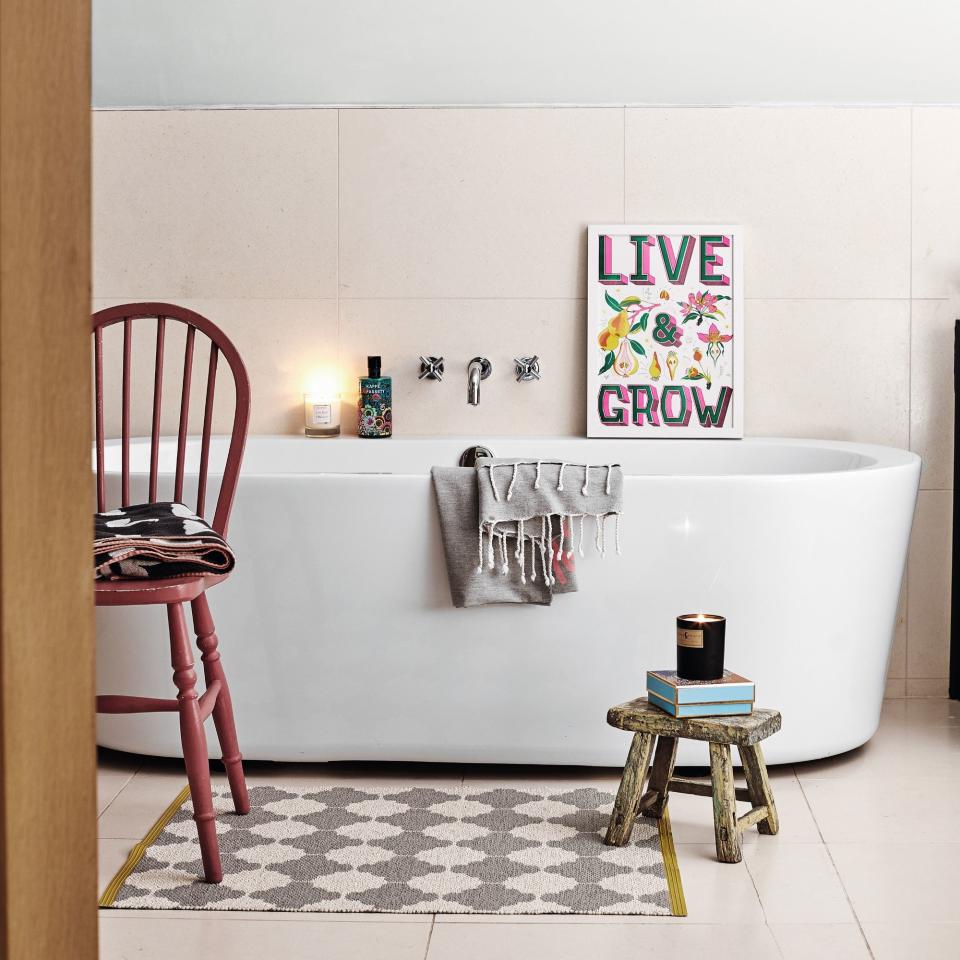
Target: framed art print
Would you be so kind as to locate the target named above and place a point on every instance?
(665, 331)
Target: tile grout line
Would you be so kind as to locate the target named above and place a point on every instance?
(113, 799)
(433, 923)
(833, 864)
(906, 566)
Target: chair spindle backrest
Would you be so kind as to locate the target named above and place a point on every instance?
(219, 344)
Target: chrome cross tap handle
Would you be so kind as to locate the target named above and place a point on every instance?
(431, 368)
(528, 368)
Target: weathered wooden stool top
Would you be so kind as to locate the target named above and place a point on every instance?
(642, 717)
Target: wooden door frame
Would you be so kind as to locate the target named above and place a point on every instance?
(48, 844)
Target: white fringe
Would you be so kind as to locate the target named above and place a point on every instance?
(504, 561)
(493, 483)
(582, 518)
(536, 483)
(617, 529)
(560, 480)
(607, 488)
(490, 562)
(586, 479)
(480, 549)
(513, 480)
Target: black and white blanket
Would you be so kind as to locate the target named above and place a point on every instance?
(156, 541)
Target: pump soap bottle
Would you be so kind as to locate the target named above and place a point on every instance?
(374, 408)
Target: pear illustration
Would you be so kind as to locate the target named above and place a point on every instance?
(672, 363)
(655, 370)
(626, 364)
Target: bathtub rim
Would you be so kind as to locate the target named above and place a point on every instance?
(881, 457)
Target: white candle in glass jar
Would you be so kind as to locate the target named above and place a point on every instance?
(321, 411)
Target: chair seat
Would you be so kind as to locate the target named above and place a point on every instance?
(642, 717)
(122, 593)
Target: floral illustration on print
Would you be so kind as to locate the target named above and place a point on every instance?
(715, 341)
(698, 372)
(702, 305)
(620, 348)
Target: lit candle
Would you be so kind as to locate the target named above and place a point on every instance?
(700, 639)
(321, 408)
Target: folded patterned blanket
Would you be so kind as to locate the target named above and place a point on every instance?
(156, 541)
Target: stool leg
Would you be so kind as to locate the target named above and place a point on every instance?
(660, 774)
(724, 804)
(758, 783)
(631, 786)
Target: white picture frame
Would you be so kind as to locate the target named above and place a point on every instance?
(676, 366)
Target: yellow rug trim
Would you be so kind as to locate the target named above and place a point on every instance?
(137, 853)
(678, 905)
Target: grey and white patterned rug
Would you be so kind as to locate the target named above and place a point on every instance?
(413, 850)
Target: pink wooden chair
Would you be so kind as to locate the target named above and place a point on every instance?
(192, 708)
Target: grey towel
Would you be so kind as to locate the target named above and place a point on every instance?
(510, 527)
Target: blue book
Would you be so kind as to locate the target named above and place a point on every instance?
(731, 687)
(683, 710)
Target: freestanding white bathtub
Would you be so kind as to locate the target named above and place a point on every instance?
(340, 641)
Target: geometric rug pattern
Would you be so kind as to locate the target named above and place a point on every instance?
(410, 850)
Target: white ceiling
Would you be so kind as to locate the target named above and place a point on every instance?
(159, 53)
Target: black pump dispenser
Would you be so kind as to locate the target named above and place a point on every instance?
(373, 367)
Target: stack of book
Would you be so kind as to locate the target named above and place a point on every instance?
(731, 695)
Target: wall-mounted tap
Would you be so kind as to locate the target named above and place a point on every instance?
(478, 369)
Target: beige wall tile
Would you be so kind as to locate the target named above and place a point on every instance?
(280, 341)
(823, 192)
(474, 203)
(936, 196)
(215, 203)
(897, 668)
(928, 584)
(400, 330)
(836, 369)
(931, 388)
(921, 687)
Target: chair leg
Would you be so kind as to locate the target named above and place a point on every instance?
(724, 804)
(631, 787)
(194, 742)
(223, 710)
(758, 784)
(660, 774)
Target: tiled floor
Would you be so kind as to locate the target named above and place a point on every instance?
(867, 863)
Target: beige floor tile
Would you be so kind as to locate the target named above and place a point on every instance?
(111, 856)
(895, 689)
(716, 892)
(879, 809)
(826, 941)
(191, 936)
(387, 775)
(921, 941)
(797, 884)
(692, 818)
(114, 771)
(137, 807)
(900, 882)
(916, 739)
(585, 941)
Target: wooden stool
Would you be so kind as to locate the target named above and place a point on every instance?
(746, 732)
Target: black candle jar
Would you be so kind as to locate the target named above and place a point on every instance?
(700, 646)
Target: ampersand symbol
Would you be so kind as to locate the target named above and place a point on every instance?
(665, 330)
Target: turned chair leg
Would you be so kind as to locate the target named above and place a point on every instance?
(194, 742)
(758, 785)
(223, 710)
(660, 773)
(724, 804)
(631, 787)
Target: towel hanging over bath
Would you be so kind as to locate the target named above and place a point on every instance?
(511, 528)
